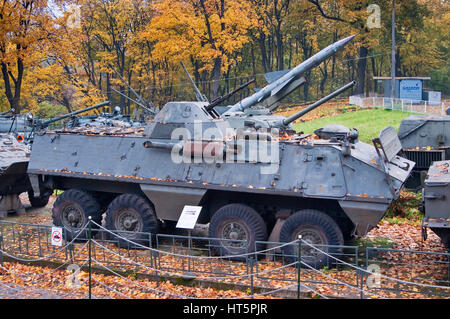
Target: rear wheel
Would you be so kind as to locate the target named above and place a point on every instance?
(72, 209)
(38, 202)
(317, 229)
(131, 217)
(240, 226)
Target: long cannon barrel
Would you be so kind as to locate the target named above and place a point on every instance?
(291, 76)
(7, 112)
(313, 106)
(62, 117)
(228, 95)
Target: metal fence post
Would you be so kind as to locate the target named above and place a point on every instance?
(1, 250)
(90, 259)
(251, 276)
(299, 265)
(154, 255)
(361, 287)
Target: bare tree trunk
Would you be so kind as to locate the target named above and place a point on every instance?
(361, 71)
(13, 99)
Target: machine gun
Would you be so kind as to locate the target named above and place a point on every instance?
(202, 98)
(221, 99)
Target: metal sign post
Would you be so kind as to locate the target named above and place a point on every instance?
(187, 220)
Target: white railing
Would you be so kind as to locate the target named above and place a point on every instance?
(413, 106)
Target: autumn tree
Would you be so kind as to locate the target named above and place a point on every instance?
(26, 29)
(209, 33)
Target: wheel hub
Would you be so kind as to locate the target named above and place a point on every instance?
(128, 220)
(312, 237)
(73, 217)
(237, 234)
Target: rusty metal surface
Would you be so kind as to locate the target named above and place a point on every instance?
(439, 172)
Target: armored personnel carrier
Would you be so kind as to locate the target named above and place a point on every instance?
(14, 158)
(436, 200)
(249, 183)
(425, 139)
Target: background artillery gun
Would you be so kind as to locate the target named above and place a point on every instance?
(251, 186)
(14, 157)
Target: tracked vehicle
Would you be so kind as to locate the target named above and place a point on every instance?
(250, 183)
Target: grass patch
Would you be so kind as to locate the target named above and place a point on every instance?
(406, 209)
(368, 122)
(363, 243)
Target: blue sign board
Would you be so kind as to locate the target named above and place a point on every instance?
(411, 89)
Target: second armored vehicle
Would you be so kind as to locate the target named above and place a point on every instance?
(425, 139)
(436, 200)
(14, 157)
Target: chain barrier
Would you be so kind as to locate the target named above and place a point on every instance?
(371, 273)
(155, 253)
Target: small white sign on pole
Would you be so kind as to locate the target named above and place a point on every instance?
(189, 216)
(57, 237)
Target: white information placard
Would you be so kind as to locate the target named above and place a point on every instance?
(189, 216)
(57, 237)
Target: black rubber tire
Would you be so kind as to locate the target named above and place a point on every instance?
(146, 213)
(444, 235)
(87, 205)
(318, 222)
(38, 202)
(247, 217)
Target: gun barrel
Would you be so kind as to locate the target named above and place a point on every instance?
(7, 112)
(62, 117)
(228, 95)
(288, 78)
(313, 106)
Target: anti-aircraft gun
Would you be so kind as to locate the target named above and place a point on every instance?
(249, 188)
(425, 139)
(14, 157)
(259, 107)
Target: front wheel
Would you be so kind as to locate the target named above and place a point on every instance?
(240, 227)
(38, 202)
(320, 236)
(72, 209)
